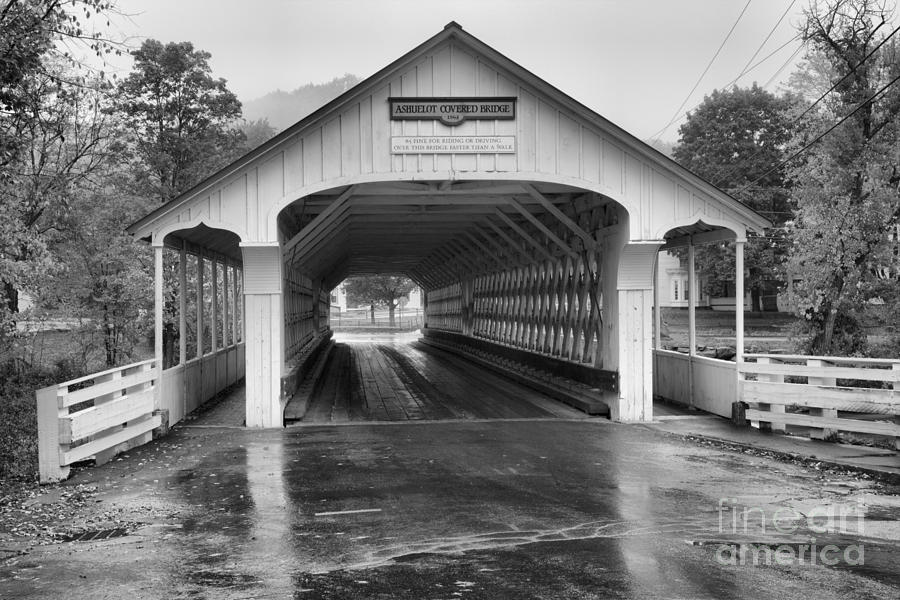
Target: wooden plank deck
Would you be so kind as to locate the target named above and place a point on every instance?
(373, 381)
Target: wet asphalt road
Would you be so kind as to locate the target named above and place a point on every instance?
(539, 508)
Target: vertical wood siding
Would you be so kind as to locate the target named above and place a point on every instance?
(352, 144)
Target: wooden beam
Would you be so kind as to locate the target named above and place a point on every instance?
(487, 251)
(518, 247)
(437, 269)
(515, 227)
(543, 228)
(422, 278)
(448, 260)
(200, 311)
(431, 200)
(482, 262)
(589, 241)
(500, 247)
(463, 253)
(182, 304)
(473, 259)
(319, 222)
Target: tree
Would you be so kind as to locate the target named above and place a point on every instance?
(257, 132)
(845, 183)
(50, 128)
(380, 290)
(104, 274)
(183, 123)
(733, 139)
(64, 132)
(31, 32)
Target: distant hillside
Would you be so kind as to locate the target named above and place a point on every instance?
(283, 109)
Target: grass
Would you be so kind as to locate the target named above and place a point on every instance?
(764, 332)
(18, 420)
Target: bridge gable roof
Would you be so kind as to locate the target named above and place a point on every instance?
(347, 140)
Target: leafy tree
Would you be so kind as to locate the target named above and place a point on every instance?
(257, 133)
(104, 273)
(845, 184)
(183, 122)
(380, 290)
(50, 128)
(31, 32)
(64, 130)
(732, 139)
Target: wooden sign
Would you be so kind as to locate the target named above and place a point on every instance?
(445, 144)
(452, 111)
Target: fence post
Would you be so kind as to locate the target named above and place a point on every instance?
(896, 385)
(105, 456)
(773, 408)
(48, 413)
(824, 433)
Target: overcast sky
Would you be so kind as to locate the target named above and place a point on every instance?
(632, 61)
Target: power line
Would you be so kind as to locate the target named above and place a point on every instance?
(757, 64)
(703, 74)
(796, 119)
(851, 72)
(783, 66)
(822, 135)
(765, 41)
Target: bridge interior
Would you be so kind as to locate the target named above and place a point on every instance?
(514, 264)
(519, 277)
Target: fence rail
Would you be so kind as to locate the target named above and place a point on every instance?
(825, 394)
(362, 318)
(97, 416)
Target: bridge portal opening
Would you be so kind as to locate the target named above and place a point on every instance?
(510, 276)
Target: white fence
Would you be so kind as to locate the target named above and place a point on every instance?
(186, 387)
(818, 395)
(410, 318)
(100, 415)
(823, 394)
(95, 416)
(709, 384)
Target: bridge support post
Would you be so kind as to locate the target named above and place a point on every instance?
(263, 319)
(628, 285)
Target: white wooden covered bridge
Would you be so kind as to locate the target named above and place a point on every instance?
(531, 223)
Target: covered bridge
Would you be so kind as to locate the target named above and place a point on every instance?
(531, 223)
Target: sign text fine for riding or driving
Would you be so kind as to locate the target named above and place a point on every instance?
(475, 144)
(452, 111)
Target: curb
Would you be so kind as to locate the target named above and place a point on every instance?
(883, 475)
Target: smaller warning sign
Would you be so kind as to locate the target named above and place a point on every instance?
(478, 144)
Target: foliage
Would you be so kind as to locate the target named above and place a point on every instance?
(18, 414)
(106, 274)
(732, 139)
(257, 133)
(65, 141)
(182, 124)
(845, 184)
(34, 33)
(380, 290)
(51, 126)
